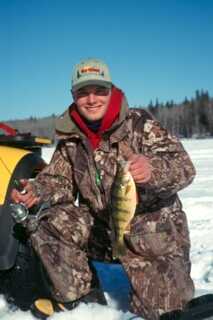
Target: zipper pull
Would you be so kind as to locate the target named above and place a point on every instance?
(97, 178)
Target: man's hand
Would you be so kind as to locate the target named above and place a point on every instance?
(140, 168)
(27, 196)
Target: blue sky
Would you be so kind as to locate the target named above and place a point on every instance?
(155, 49)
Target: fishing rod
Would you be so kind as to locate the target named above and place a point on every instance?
(18, 210)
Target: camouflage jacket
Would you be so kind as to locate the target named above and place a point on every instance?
(76, 171)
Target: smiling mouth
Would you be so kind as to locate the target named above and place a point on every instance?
(94, 108)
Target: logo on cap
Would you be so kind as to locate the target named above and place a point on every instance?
(89, 70)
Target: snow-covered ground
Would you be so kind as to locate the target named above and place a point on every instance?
(198, 203)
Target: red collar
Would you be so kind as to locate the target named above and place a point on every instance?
(110, 116)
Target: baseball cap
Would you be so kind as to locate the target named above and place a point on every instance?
(91, 71)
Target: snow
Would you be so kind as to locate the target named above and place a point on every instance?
(198, 203)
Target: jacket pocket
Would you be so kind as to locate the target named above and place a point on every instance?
(152, 237)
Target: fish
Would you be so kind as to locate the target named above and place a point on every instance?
(123, 206)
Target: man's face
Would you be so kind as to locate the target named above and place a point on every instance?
(92, 101)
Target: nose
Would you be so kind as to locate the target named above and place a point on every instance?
(91, 98)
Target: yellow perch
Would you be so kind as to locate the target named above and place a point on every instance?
(124, 201)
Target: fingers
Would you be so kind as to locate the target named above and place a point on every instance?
(24, 182)
(140, 168)
(31, 201)
(141, 176)
(28, 198)
(15, 196)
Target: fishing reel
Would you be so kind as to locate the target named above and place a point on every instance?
(18, 210)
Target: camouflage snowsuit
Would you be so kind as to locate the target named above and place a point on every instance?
(157, 263)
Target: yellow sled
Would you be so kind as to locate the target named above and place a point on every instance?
(20, 157)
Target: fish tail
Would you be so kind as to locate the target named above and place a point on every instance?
(119, 249)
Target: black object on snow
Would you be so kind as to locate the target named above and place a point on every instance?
(199, 308)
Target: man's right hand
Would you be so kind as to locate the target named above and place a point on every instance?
(27, 196)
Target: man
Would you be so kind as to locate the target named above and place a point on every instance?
(93, 132)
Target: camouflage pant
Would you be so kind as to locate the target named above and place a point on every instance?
(157, 262)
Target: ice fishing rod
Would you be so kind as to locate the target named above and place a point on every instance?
(19, 211)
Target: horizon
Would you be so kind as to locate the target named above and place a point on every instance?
(161, 103)
(155, 50)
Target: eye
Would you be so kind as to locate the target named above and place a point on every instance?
(81, 93)
(101, 91)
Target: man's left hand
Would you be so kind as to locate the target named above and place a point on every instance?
(140, 168)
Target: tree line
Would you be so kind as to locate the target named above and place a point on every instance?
(44, 127)
(190, 119)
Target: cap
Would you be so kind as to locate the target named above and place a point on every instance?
(91, 71)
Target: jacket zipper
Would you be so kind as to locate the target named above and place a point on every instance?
(93, 177)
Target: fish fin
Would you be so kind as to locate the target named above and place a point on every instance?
(127, 230)
(119, 249)
(128, 188)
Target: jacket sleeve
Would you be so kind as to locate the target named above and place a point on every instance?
(55, 184)
(172, 169)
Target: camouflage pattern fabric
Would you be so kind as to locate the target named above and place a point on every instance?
(157, 262)
(61, 242)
